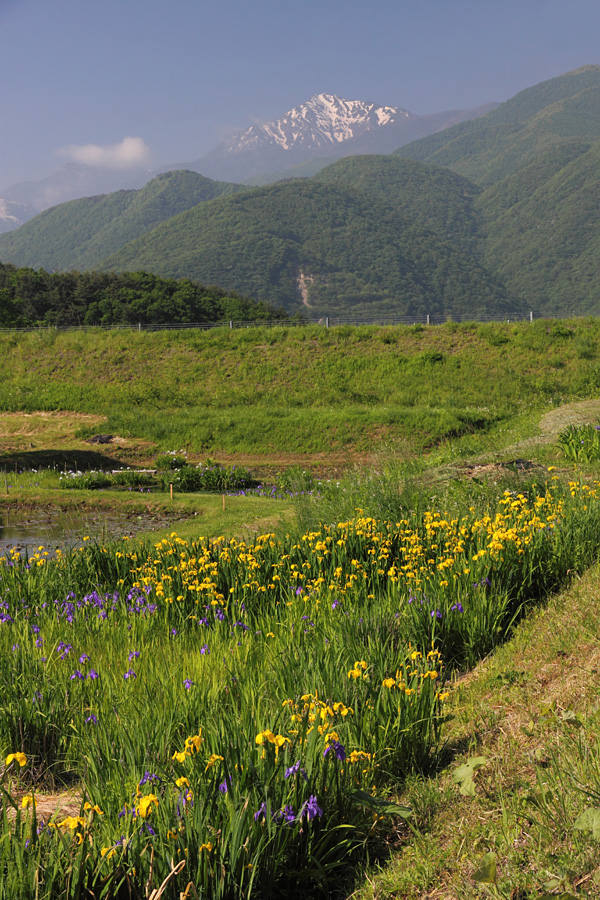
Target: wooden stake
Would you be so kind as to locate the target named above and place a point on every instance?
(171, 490)
(223, 502)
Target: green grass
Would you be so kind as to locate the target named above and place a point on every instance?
(301, 392)
(530, 711)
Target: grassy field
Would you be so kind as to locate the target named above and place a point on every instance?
(363, 691)
(256, 394)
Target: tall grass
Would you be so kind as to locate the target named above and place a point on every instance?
(238, 713)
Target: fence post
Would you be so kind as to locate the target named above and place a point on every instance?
(428, 321)
(139, 326)
(531, 316)
(230, 324)
(326, 321)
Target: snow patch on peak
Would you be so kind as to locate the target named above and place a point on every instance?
(322, 121)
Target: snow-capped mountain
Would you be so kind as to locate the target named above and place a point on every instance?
(302, 141)
(325, 127)
(322, 122)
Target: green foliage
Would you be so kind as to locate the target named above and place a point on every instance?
(580, 443)
(170, 460)
(92, 481)
(30, 298)
(209, 477)
(76, 235)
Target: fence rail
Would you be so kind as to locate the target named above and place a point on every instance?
(324, 321)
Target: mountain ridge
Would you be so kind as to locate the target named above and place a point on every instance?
(325, 125)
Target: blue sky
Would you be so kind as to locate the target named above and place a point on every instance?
(178, 75)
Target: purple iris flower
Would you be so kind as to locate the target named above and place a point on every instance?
(149, 777)
(338, 749)
(261, 812)
(311, 809)
(295, 770)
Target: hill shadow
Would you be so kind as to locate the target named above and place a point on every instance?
(81, 460)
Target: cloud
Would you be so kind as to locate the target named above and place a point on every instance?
(132, 151)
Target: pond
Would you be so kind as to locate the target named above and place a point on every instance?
(53, 527)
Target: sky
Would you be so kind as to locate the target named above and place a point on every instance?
(153, 82)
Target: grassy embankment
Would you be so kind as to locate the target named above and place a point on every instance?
(280, 396)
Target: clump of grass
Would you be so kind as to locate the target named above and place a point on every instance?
(580, 443)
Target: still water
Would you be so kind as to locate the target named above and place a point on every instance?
(26, 529)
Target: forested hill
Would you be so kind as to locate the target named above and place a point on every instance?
(80, 233)
(327, 246)
(29, 297)
(488, 149)
(498, 215)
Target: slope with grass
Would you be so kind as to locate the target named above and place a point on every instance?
(304, 394)
(513, 808)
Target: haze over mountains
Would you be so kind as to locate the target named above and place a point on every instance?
(324, 128)
(497, 214)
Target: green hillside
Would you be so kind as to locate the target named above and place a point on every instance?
(78, 234)
(546, 245)
(323, 247)
(488, 149)
(428, 196)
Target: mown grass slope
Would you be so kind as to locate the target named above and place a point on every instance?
(303, 392)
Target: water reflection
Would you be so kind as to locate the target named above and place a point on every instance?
(25, 529)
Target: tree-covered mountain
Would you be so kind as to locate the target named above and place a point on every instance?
(329, 245)
(488, 149)
(80, 233)
(544, 230)
(428, 196)
(29, 297)
(375, 234)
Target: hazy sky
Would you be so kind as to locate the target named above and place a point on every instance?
(79, 77)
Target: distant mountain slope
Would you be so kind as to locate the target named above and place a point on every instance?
(75, 180)
(13, 214)
(544, 231)
(78, 234)
(428, 196)
(318, 246)
(325, 125)
(488, 149)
